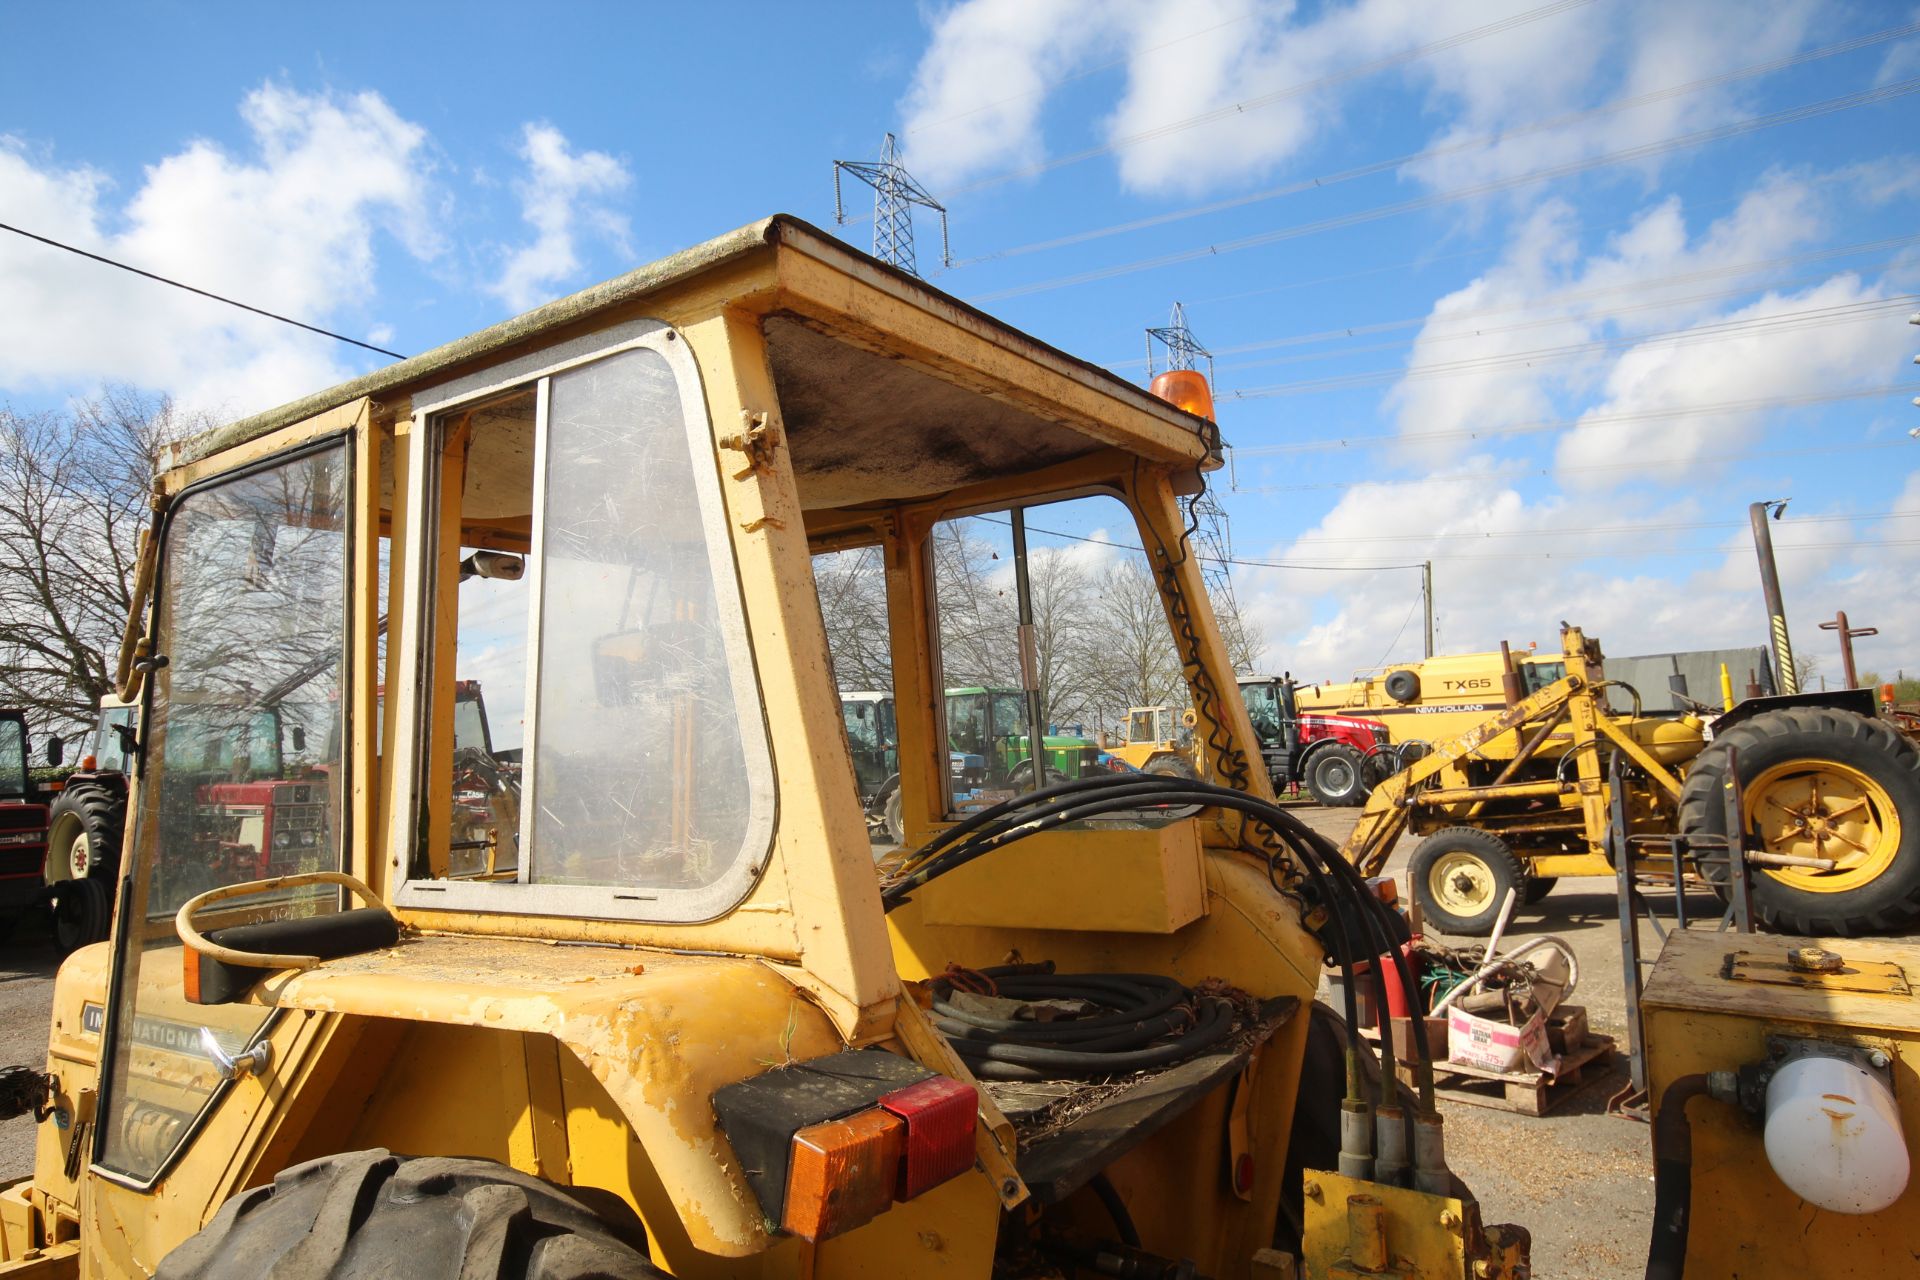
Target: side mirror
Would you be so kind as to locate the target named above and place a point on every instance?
(56, 750)
(299, 736)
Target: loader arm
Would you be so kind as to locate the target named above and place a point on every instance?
(1390, 806)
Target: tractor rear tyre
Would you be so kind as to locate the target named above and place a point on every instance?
(1819, 783)
(1336, 775)
(84, 825)
(82, 913)
(374, 1214)
(1172, 765)
(1460, 877)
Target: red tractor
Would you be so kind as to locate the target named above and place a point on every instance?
(1337, 758)
(23, 824)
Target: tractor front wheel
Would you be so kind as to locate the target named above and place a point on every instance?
(1336, 775)
(1171, 765)
(1461, 876)
(372, 1213)
(1828, 786)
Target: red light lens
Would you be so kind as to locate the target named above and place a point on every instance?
(940, 1120)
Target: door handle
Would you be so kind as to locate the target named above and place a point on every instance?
(234, 1066)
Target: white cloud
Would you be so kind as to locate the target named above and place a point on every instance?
(560, 198)
(977, 93)
(1477, 362)
(290, 228)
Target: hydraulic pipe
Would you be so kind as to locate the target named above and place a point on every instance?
(1672, 1179)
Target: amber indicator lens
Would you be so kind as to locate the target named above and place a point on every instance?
(939, 1113)
(843, 1173)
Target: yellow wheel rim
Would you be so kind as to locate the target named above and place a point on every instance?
(1820, 809)
(1460, 884)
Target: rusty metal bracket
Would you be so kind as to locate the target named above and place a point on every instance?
(759, 439)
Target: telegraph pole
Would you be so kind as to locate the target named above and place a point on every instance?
(1770, 583)
(1426, 594)
(895, 193)
(1847, 634)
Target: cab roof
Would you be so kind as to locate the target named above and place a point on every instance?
(840, 370)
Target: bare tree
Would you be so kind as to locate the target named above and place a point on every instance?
(73, 499)
(1137, 664)
(853, 600)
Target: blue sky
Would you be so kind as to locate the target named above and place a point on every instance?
(1570, 280)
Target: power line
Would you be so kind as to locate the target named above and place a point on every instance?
(1566, 424)
(1503, 476)
(1579, 531)
(298, 324)
(895, 193)
(1468, 332)
(1475, 143)
(1446, 327)
(1078, 75)
(1792, 115)
(1356, 72)
(1693, 335)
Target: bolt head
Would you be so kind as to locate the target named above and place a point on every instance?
(1814, 960)
(1879, 1059)
(1449, 1219)
(1313, 1190)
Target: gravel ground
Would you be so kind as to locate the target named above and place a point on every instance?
(27, 964)
(1578, 1178)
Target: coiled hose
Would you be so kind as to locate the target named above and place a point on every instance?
(1151, 1021)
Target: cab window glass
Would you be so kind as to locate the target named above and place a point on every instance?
(1098, 644)
(243, 772)
(13, 758)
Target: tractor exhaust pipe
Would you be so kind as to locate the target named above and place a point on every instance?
(1787, 677)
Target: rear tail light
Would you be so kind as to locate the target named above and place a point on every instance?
(939, 1116)
(843, 1173)
(829, 1144)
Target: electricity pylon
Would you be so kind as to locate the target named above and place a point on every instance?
(894, 194)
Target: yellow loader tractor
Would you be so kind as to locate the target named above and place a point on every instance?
(691, 1028)
(1159, 741)
(1829, 793)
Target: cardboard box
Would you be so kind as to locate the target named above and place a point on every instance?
(1498, 1046)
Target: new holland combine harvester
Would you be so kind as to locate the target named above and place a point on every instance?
(689, 1027)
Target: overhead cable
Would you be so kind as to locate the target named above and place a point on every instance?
(298, 324)
(1693, 335)
(1358, 217)
(1456, 146)
(1508, 473)
(1709, 409)
(1355, 72)
(1444, 324)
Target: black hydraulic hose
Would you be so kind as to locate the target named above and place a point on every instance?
(1137, 998)
(1314, 858)
(1050, 807)
(1672, 1179)
(1116, 1209)
(1002, 1060)
(973, 823)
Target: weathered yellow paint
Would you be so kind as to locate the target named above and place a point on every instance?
(1419, 1236)
(1150, 882)
(588, 1050)
(1746, 1222)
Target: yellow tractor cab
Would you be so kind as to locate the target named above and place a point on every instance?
(663, 1013)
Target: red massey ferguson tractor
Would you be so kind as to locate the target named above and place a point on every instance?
(1337, 758)
(23, 825)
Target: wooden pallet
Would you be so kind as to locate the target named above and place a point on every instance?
(1532, 1093)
